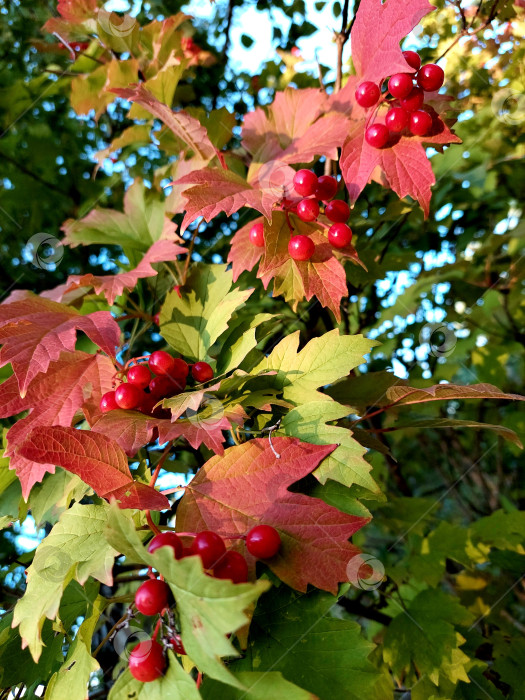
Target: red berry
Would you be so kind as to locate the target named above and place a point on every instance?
(186, 552)
(202, 372)
(152, 596)
(107, 402)
(420, 123)
(367, 94)
(414, 100)
(161, 362)
(301, 247)
(337, 211)
(431, 77)
(326, 188)
(413, 59)
(232, 566)
(305, 182)
(166, 539)
(263, 541)
(396, 119)
(160, 387)
(147, 404)
(180, 370)
(147, 661)
(156, 319)
(377, 135)
(400, 85)
(257, 235)
(177, 645)
(209, 546)
(340, 235)
(308, 209)
(128, 396)
(139, 375)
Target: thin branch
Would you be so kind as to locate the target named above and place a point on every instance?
(469, 32)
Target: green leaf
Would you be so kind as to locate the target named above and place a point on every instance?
(239, 340)
(176, 684)
(50, 498)
(192, 324)
(425, 635)
(260, 686)
(71, 681)
(346, 464)
(208, 608)
(506, 433)
(143, 222)
(74, 549)
(295, 635)
(500, 529)
(322, 361)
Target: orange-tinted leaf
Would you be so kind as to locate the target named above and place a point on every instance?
(243, 254)
(248, 485)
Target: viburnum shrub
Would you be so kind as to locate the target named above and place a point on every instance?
(205, 461)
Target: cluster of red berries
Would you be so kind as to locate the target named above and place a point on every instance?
(312, 189)
(147, 661)
(406, 111)
(158, 377)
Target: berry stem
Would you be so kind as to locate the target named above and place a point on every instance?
(199, 679)
(151, 524)
(292, 230)
(157, 628)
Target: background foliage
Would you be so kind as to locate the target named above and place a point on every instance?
(442, 296)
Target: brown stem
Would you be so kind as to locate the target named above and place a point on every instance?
(108, 635)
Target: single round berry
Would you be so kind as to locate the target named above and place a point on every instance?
(413, 59)
(209, 546)
(152, 596)
(108, 402)
(431, 77)
(305, 182)
(201, 372)
(156, 319)
(160, 387)
(326, 188)
(128, 396)
(139, 375)
(340, 235)
(147, 661)
(301, 247)
(257, 235)
(161, 362)
(367, 94)
(308, 209)
(377, 135)
(232, 566)
(177, 645)
(414, 100)
(400, 85)
(166, 539)
(337, 211)
(147, 404)
(179, 370)
(396, 119)
(263, 541)
(420, 123)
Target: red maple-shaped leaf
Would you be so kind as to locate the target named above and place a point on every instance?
(322, 276)
(248, 485)
(295, 128)
(73, 14)
(185, 127)
(402, 164)
(378, 30)
(131, 429)
(113, 285)
(34, 331)
(97, 460)
(243, 254)
(52, 399)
